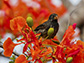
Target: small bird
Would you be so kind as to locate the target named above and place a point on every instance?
(43, 28)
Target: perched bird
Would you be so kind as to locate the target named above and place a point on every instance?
(43, 28)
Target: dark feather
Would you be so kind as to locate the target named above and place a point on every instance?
(43, 28)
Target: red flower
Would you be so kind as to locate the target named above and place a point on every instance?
(29, 37)
(17, 24)
(38, 60)
(79, 57)
(35, 53)
(68, 36)
(25, 47)
(21, 59)
(48, 51)
(6, 2)
(74, 25)
(8, 47)
(52, 42)
(59, 53)
(74, 52)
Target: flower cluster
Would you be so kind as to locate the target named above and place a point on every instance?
(8, 11)
(43, 50)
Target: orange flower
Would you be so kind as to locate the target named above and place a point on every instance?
(51, 41)
(21, 59)
(8, 47)
(35, 52)
(17, 23)
(38, 61)
(68, 36)
(48, 51)
(81, 43)
(76, 51)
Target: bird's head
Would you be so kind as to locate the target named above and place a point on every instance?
(53, 17)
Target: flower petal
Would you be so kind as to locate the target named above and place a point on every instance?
(21, 59)
(8, 47)
(17, 23)
(68, 36)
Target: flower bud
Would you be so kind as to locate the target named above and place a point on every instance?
(69, 60)
(30, 21)
(50, 31)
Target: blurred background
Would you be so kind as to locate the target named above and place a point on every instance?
(69, 12)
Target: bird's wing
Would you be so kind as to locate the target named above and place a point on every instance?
(41, 28)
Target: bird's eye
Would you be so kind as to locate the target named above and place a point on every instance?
(55, 17)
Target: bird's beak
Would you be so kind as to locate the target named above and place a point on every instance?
(56, 17)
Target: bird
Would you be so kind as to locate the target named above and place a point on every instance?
(51, 22)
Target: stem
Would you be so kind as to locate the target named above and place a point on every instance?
(45, 38)
(33, 30)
